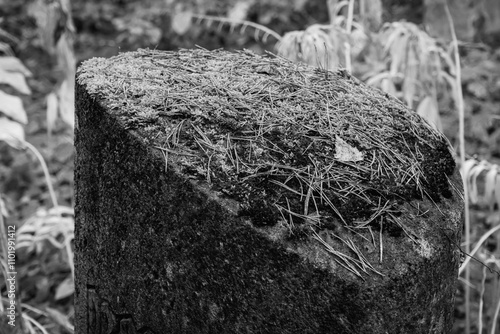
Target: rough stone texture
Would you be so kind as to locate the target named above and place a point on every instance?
(160, 250)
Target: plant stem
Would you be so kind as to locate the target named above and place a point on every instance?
(470, 255)
(45, 171)
(460, 106)
(348, 28)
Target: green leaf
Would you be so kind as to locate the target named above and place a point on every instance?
(289, 46)
(52, 107)
(15, 80)
(410, 85)
(67, 101)
(376, 79)
(395, 32)
(12, 106)
(12, 64)
(387, 85)
(497, 190)
(11, 132)
(239, 11)
(428, 109)
(65, 289)
(472, 179)
(398, 55)
(466, 168)
(447, 59)
(489, 186)
(3, 208)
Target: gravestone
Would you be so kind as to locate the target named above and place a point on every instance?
(222, 192)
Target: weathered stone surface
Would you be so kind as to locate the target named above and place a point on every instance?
(174, 234)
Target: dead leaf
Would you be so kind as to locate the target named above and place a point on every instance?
(345, 152)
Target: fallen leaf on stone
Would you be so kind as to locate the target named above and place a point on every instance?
(345, 152)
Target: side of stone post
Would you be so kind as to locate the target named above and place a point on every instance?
(190, 216)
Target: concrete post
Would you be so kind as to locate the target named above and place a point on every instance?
(226, 192)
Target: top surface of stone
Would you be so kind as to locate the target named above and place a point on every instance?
(283, 139)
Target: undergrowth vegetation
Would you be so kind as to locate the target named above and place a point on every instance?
(398, 57)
